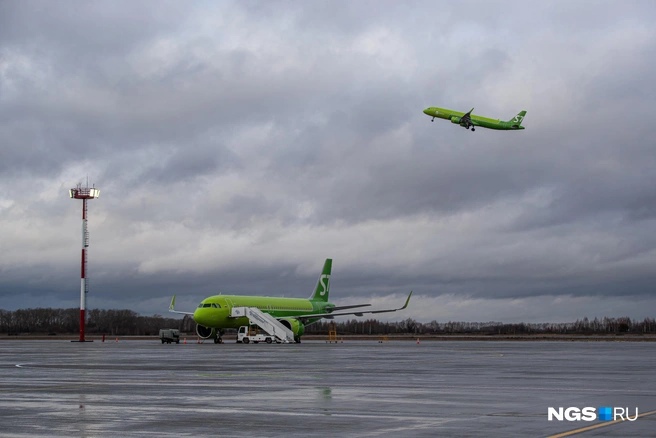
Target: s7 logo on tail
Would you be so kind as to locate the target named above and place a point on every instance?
(518, 119)
(323, 282)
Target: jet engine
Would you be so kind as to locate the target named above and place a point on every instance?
(295, 326)
(455, 119)
(205, 332)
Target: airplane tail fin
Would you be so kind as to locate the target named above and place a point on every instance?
(516, 122)
(323, 284)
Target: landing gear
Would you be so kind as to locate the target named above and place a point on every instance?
(433, 119)
(473, 129)
(219, 337)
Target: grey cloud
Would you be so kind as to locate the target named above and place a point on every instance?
(289, 131)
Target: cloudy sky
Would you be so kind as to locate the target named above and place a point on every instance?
(238, 144)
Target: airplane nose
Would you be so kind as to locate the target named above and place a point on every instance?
(427, 111)
(198, 316)
(205, 317)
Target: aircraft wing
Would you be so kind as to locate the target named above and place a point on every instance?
(357, 313)
(172, 306)
(332, 309)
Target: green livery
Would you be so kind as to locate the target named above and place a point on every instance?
(469, 120)
(213, 314)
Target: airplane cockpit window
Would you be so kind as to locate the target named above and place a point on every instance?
(216, 306)
(205, 305)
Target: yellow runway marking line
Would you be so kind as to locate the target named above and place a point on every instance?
(596, 426)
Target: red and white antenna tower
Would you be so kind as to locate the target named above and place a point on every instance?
(84, 193)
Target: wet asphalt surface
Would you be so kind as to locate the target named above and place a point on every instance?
(356, 388)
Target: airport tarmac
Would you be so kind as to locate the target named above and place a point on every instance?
(355, 388)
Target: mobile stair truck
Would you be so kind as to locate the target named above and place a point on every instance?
(262, 327)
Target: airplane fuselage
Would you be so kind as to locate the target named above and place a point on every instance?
(484, 122)
(214, 312)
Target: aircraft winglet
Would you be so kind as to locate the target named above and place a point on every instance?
(172, 305)
(172, 308)
(407, 301)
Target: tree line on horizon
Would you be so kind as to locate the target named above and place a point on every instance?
(585, 326)
(130, 323)
(67, 321)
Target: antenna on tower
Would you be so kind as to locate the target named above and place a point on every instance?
(84, 193)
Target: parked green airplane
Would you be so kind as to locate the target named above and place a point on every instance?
(469, 120)
(213, 314)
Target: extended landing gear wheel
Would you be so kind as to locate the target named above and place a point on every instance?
(473, 129)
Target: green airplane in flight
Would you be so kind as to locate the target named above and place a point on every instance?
(469, 120)
(215, 314)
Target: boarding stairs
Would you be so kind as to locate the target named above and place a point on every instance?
(264, 321)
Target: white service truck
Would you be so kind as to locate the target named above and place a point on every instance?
(169, 335)
(248, 334)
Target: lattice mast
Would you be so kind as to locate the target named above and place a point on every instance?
(85, 194)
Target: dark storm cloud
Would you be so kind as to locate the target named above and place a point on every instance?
(237, 145)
